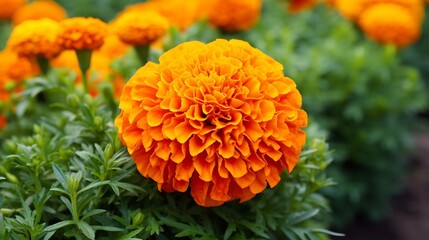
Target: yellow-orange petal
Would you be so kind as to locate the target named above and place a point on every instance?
(80, 33)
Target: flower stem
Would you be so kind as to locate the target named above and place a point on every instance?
(142, 53)
(84, 58)
(43, 65)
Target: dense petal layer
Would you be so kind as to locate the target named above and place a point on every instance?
(220, 118)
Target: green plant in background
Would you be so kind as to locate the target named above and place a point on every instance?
(68, 177)
(416, 55)
(356, 89)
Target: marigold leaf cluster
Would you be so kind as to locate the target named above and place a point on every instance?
(36, 38)
(234, 15)
(221, 118)
(141, 28)
(80, 33)
(40, 9)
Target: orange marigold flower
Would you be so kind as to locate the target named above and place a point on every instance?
(180, 13)
(353, 9)
(113, 47)
(221, 118)
(137, 28)
(36, 38)
(234, 15)
(82, 33)
(40, 9)
(299, 5)
(378, 24)
(9, 7)
(16, 68)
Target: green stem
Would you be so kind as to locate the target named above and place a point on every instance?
(142, 53)
(43, 64)
(75, 213)
(84, 58)
(5, 28)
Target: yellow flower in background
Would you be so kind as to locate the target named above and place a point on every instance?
(234, 15)
(180, 13)
(137, 28)
(36, 38)
(9, 7)
(390, 24)
(220, 118)
(40, 9)
(81, 33)
(300, 5)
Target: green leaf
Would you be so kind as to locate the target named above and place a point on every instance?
(92, 213)
(59, 225)
(131, 234)
(92, 185)
(301, 217)
(86, 229)
(107, 228)
(49, 235)
(61, 177)
(229, 231)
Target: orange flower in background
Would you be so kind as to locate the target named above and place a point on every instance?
(220, 117)
(180, 13)
(3, 122)
(353, 9)
(378, 24)
(113, 47)
(13, 70)
(234, 15)
(82, 33)
(36, 38)
(40, 9)
(67, 60)
(137, 28)
(9, 7)
(16, 68)
(100, 71)
(300, 5)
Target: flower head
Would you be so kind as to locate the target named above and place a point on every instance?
(378, 24)
(40, 9)
(36, 38)
(9, 7)
(221, 118)
(137, 28)
(82, 33)
(234, 15)
(353, 9)
(16, 68)
(179, 13)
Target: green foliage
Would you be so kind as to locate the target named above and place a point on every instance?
(103, 9)
(67, 176)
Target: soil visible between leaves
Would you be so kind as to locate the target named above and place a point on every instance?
(409, 217)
